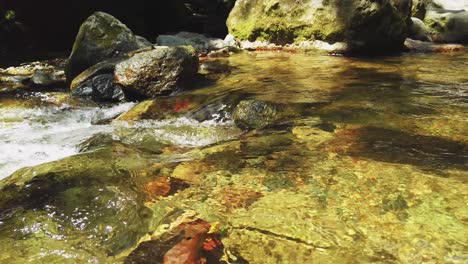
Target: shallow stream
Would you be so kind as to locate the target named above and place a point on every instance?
(369, 164)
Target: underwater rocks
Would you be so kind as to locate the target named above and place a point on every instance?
(360, 24)
(95, 201)
(101, 36)
(254, 114)
(186, 240)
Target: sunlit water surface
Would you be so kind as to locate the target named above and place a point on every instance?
(369, 165)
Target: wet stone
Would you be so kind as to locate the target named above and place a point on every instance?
(100, 88)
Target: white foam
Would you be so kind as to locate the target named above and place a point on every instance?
(30, 137)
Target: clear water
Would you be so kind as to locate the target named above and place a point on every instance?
(368, 165)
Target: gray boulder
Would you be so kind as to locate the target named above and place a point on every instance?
(160, 71)
(447, 26)
(100, 37)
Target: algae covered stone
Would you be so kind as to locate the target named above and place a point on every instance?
(101, 36)
(253, 114)
(89, 206)
(447, 26)
(160, 71)
(362, 24)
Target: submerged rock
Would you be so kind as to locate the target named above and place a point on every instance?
(95, 201)
(101, 36)
(160, 71)
(361, 24)
(254, 114)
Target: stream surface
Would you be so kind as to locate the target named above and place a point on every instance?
(368, 165)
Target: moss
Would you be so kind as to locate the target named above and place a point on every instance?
(283, 22)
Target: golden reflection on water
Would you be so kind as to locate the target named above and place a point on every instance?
(369, 165)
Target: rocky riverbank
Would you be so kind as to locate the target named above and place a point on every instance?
(191, 148)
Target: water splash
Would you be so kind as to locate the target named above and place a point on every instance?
(31, 136)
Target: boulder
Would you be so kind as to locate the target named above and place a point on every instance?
(198, 41)
(97, 82)
(160, 71)
(362, 24)
(100, 37)
(101, 87)
(418, 30)
(96, 198)
(447, 26)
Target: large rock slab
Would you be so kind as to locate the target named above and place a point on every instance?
(160, 71)
(447, 26)
(362, 24)
(100, 37)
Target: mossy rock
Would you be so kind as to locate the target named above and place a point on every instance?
(89, 206)
(362, 24)
(100, 37)
(447, 26)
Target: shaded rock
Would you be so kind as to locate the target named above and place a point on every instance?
(253, 114)
(100, 88)
(46, 79)
(418, 30)
(101, 36)
(160, 71)
(419, 8)
(424, 46)
(361, 24)
(198, 41)
(447, 26)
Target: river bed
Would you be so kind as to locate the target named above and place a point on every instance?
(369, 165)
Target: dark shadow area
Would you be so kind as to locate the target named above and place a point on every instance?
(38, 28)
(399, 147)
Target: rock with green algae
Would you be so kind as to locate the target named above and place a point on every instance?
(79, 209)
(361, 24)
(254, 114)
(100, 37)
(447, 26)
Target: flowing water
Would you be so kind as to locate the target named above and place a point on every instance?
(367, 164)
